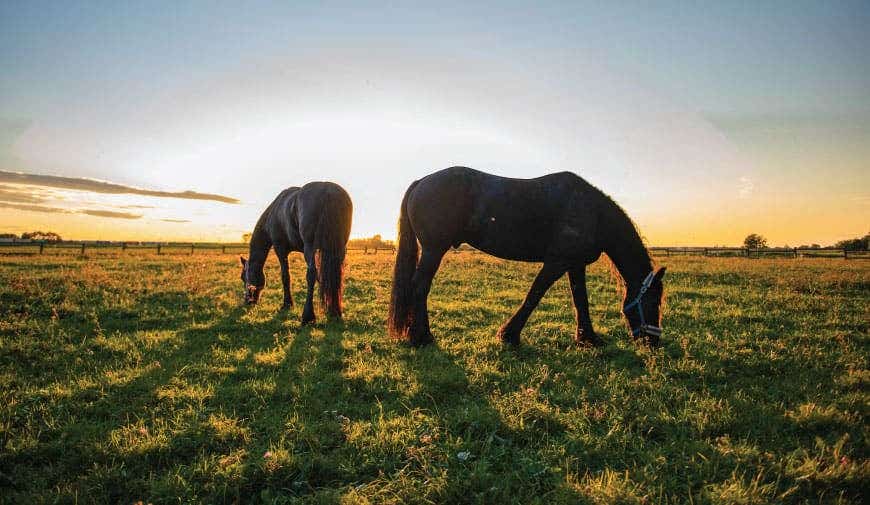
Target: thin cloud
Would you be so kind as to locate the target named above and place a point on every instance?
(135, 206)
(747, 186)
(95, 186)
(109, 213)
(34, 208)
(11, 194)
(167, 220)
(59, 210)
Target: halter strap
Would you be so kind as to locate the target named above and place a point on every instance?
(649, 329)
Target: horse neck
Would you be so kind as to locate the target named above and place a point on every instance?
(258, 248)
(626, 250)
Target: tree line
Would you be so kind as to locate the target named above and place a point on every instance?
(752, 241)
(39, 236)
(756, 241)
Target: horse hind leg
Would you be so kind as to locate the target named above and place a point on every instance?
(310, 277)
(509, 333)
(420, 333)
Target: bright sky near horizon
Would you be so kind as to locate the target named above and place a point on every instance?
(706, 121)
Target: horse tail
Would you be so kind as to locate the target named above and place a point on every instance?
(402, 298)
(330, 242)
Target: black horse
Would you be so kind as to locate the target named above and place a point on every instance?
(558, 219)
(314, 220)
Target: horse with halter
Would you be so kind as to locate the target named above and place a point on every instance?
(558, 219)
(314, 220)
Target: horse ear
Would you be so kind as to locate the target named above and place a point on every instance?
(661, 273)
(242, 260)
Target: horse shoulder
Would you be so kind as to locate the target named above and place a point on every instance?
(576, 230)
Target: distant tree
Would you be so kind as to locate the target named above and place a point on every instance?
(46, 236)
(8, 235)
(246, 238)
(754, 241)
(855, 244)
(374, 242)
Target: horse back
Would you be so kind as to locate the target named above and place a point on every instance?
(310, 203)
(519, 219)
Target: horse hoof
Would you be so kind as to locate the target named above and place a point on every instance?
(510, 344)
(420, 341)
(589, 340)
(508, 337)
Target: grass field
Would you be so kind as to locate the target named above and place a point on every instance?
(142, 378)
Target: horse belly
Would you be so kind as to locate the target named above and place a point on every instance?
(517, 238)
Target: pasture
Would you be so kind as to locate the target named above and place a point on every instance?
(140, 377)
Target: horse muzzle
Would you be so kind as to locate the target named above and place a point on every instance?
(652, 334)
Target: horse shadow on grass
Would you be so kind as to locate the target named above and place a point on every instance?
(124, 431)
(482, 450)
(712, 404)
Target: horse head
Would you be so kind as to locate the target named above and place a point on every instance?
(643, 312)
(253, 281)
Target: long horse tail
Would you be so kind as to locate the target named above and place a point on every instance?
(330, 242)
(402, 298)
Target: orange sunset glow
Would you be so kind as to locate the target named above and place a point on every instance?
(218, 108)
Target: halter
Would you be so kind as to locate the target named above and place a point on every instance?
(648, 329)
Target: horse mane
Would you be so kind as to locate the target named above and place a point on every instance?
(626, 227)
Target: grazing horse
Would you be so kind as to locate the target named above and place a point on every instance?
(314, 220)
(558, 219)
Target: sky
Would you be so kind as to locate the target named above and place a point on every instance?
(183, 120)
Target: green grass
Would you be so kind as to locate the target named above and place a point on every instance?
(127, 378)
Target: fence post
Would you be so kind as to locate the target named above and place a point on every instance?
(845, 253)
(83, 248)
(41, 247)
(123, 246)
(191, 249)
(158, 248)
(223, 249)
(795, 252)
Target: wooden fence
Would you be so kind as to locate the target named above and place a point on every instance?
(189, 248)
(768, 252)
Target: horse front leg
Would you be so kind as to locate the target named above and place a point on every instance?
(509, 333)
(285, 280)
(420, 333)
(585, 334)
(311, 278)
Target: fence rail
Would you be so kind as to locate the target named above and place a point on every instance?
(781, 252)
(189, 248)
(81, 247)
